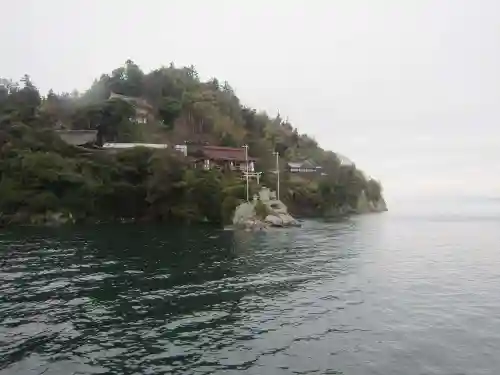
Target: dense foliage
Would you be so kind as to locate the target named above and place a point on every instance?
(40, 173)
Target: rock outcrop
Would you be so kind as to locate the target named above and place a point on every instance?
(271, 213)
(380, 205)
(340, 211)
(365, 205)
(48, 218)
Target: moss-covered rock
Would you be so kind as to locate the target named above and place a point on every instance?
(264, 211)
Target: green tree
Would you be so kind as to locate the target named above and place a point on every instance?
(169, 110)
(39, 172)
(114, 121)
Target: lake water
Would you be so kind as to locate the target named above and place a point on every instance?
(402, 293)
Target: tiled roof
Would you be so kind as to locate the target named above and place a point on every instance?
(308, 164)
(225, 153)
(302, 164)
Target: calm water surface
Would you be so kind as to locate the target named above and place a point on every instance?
(380, 294)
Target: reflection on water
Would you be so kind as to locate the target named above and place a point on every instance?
(370, 295)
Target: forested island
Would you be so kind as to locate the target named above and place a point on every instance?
(45, 177)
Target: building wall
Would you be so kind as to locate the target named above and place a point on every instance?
(302, 170)
(209, 164)
(182, 149)
(242, 166)
(115, 145)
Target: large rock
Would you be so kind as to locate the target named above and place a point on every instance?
(245, 215)
(277, 207)
(365, 205)
(274, 220)
(281, 220)
(380, 205)
(288, 220)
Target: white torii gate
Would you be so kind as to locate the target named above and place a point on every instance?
(253, 175)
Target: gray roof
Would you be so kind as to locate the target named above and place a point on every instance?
(295, 164)
(78, 137)
(302, 164)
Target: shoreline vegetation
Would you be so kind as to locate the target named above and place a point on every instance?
(47, 180)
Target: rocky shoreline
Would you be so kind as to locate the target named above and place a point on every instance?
(265, 211)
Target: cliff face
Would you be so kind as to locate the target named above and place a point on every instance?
(362, 205)
(380, 205)
(366, 206)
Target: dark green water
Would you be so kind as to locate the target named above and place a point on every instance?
(380, 294)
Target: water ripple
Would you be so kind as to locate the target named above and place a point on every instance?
(362, 296)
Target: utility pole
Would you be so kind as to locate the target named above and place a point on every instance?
(246, 168)
(277, 154)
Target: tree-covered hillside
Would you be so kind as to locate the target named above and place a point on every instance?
(41, 174)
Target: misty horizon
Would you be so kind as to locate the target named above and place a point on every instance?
(408, 91)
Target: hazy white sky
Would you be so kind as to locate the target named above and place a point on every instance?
(409, 90)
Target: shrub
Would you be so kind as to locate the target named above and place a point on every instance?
(261, 210)
(229, 204)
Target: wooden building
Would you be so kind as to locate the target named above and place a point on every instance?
(305, 166)
(223, 158)
(143, 110)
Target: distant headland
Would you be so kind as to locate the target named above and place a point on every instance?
(161, 146)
